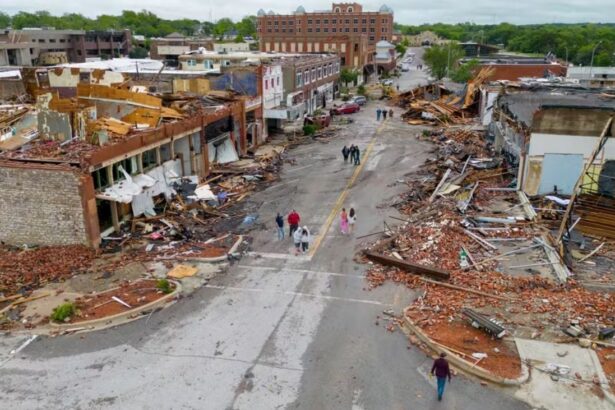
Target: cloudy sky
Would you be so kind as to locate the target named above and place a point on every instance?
(406, 11)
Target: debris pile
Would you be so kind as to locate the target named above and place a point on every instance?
(28, 269)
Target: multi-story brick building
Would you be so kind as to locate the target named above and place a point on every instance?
(345, 29)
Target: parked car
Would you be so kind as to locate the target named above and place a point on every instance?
(359, 99)
(386, 82)
(346, 108)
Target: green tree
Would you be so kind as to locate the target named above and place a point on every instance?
(465, 72)
(5, 20)
(247, 26)
(239, 39)
(138, 52)
(348, 76)
(401, 49)
(440, 59)
(222, 27)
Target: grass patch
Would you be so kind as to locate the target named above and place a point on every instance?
(63, 312)
(164, 286)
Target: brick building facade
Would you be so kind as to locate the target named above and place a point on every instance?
(346, 30)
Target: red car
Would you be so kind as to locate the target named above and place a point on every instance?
(347, 108)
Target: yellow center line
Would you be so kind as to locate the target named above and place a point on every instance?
(340, 200)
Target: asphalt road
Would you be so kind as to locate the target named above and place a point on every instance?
(276, 330)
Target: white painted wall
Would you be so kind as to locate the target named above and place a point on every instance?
(541, 144)
(273, 86)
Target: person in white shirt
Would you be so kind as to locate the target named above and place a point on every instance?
(297, 240)
(305, 239)
(352, 220)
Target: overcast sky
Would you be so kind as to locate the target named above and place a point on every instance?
(406, 11)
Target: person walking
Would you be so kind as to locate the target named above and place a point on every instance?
(378, 112)
(293, 222)
(345, 153)
(397, 86)
(357, 156)
(442, 371)
(352, 220)
(280, 223)
(384, 114)
(352, 152)
(344, 222)
(391, 113)
(297, 240)
(305, 239)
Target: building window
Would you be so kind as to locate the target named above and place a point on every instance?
(364, 21)
(356, 21)
(347, 30)
(314, 74)
(275, 23)
(384, 21)
(363, 30)
(290, 30)
(276, 30)
(356, 47)
(52, 40)
(283, 23)
(325, 21)
(62, 40)
(334, 21)
(319, 73)
(371, 29)
(148, 159)
(191, 63)
(100, 178)
(298, 80)
(347, 21)
(269, 23)
(283, 30)
(277, 80)
(268, 30)
(349, 9)
(334, 29)
(309, 21)
(326, 30)
(266, 85)
(309, 30)
(290, 23)
(272, 83)
(337, 10)
(372, 38)
(306, 77)
(372, 21)
(298, 30)
(355, 30)
(318, 29)
(317, 21)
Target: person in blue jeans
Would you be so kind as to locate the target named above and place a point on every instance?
(442, 371)
(280, 223)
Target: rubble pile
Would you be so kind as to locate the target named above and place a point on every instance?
(25, 270)
(459, 213)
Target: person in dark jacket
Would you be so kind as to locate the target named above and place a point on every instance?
(345, 153)
(280, 223)
(357, 156)
(442, 371)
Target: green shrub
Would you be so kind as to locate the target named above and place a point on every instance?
(309, 129)
(63, 311)
(164, 286)
(361, 90)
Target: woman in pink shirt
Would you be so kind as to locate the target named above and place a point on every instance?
(344, 221)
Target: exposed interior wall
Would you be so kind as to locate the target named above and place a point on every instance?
(41, 206)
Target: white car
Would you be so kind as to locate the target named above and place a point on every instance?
(386, 82)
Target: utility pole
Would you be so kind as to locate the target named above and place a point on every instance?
(448, 61)
(591, 64)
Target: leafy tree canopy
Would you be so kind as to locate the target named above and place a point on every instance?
(572, 41)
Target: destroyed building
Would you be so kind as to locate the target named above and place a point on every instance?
(105, 156)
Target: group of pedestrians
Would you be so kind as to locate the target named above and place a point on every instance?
(300, 235)
(354, 153)
(347, 221)
(419, 66)
(383, 113)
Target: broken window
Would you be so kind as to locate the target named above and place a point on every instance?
(148, 159)
(101, 179)
(165, 152)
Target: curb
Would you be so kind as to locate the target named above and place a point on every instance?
(124, 317)
(462, 364)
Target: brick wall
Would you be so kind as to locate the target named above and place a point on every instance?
(41, 206)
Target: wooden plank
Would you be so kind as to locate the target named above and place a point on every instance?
(408, 266)
(435, 192)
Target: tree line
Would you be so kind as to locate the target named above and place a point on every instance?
(139, 22)
(571, 42)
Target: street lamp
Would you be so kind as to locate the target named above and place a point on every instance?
(591, 64)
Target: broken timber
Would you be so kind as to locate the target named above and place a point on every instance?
(408, 266)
